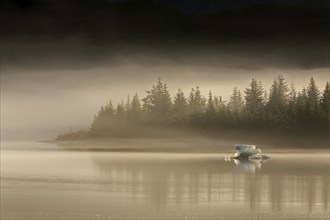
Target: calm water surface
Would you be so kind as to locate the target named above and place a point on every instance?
(40, 181)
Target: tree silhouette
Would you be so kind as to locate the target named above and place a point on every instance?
(254, 101)
(278, 103)
(180, 108)
(158, 103)
(278, 96)
(103, 121)
(196, 101)
(325, 107)
(235, 106)
(312, 95)
(134, 114)
(325, 99)
(210, 110)
(236, 102)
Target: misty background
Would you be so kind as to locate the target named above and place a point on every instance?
(62, 60)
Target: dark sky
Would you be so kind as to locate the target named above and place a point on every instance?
(41, 34)
(61, 60)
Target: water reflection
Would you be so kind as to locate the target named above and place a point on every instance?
(246, 165)
(278, 185)
(83, 184)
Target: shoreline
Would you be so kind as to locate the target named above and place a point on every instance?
(187, 144)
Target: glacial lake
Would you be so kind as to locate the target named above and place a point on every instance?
(45, 181)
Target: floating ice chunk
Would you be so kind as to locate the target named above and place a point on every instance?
(245, 150)
(259, 157)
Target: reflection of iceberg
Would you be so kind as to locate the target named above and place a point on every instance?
(248, 152)
(248, 165)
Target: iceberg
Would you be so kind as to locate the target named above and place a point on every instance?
(245, 151)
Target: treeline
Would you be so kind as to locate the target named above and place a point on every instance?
(284, 110)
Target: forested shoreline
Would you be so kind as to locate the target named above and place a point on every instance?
(282, 110)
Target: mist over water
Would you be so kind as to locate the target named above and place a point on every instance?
(39, 105)
(40, 181)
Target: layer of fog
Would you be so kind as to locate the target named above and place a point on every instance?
(40, 104)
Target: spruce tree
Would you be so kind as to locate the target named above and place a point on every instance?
(301, 107)
(236, 103)
(278, 103)
(135, 111)
(325, 108)
(216, 103)
(312, 95)
(210, 110)
(157, 103)
(196, 101)
(325, 99)
(103, 121)
(180, 107)
(128, 104)
(235, 107)
(293, 93)
(254, 100)
(278, 96)
(120, 117)
(292, 106)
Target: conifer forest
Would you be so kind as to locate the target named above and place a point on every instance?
(280, 110)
